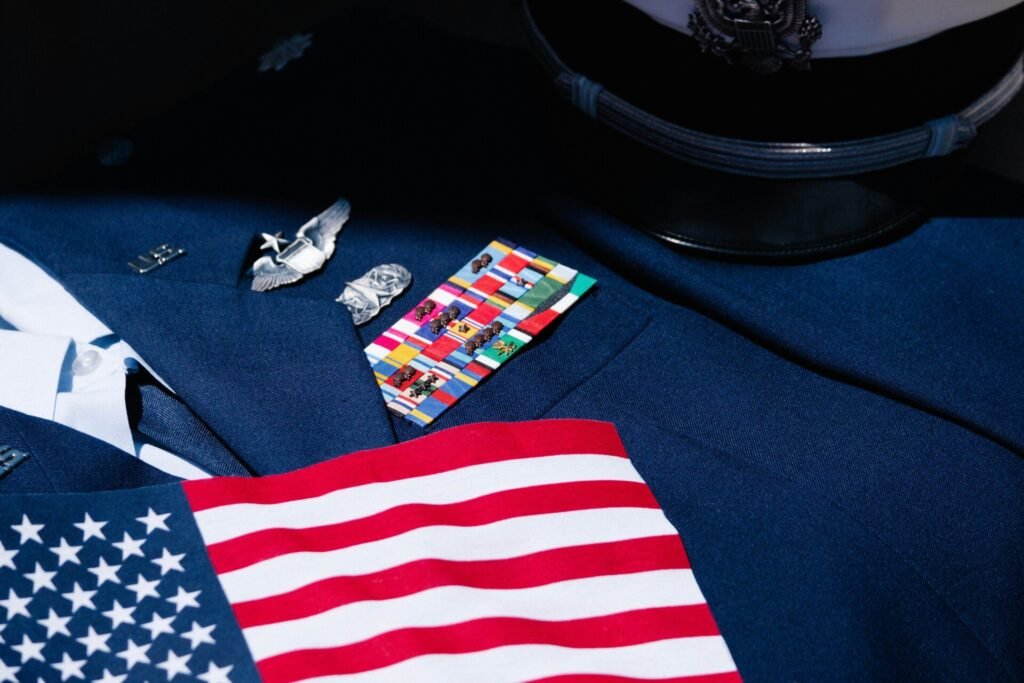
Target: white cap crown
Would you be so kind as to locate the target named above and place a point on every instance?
(851, 28)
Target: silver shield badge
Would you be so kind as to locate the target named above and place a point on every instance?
(762, 35)
(307, 253)
(365, 296)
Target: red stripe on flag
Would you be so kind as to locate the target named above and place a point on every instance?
(727, 677)
(534, 500)
(617, 630)
(528, 571)
(447, 450)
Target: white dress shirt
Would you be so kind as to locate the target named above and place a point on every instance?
(59, 362)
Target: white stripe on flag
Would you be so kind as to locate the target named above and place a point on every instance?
(507, 538)
(662, 659)
(561, 601)
(230, 521)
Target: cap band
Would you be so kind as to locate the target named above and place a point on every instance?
(775, 159)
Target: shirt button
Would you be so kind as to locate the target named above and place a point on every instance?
(86, 363)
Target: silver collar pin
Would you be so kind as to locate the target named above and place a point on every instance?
(307, 253)
(10, 458)
(365, 296)
(155, 258)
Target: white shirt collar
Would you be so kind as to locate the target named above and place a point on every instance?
(30, 370)
(32, 301)
(38, 371)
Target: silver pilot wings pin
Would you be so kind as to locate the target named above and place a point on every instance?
(307, 253)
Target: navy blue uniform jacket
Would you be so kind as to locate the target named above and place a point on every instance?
(840, 443)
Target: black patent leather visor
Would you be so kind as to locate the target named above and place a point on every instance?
(790, 166)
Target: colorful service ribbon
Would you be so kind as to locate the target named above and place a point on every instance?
(468, 327)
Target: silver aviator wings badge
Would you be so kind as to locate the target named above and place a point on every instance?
(307, 253)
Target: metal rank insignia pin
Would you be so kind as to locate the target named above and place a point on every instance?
(307, 253)
(366, 296)
(9, 459)
(154, 258)
(474, 322)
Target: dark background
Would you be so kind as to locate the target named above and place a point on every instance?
(75, 75)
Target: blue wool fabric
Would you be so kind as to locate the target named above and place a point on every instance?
(840, 443)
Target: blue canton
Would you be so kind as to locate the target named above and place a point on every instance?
(112, 587)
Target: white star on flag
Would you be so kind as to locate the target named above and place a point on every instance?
(111, 678)
(80, 597)
(69, 668)
(154, 521)
(15, 604)
(216, 674)
(66, 552)
(95, 642)
(29, 650)
(168, 562)
(8, 673)
(184, 599)
(175, 664)
(134, 654)
(105, 572)
(41, 579)
(7, 557)
(91, 528)
(197, 635)
(129, 546)
(55, 623)
(158, 625)
(119, 614)
(28, 531)
(144, 588)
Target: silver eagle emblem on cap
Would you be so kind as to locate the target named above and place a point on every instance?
(762, 35)
(307, 253)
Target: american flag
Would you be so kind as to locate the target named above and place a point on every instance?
(489, 552)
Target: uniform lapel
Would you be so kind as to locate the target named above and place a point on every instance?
(62, 459)
(278, 376)
(281, 380)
